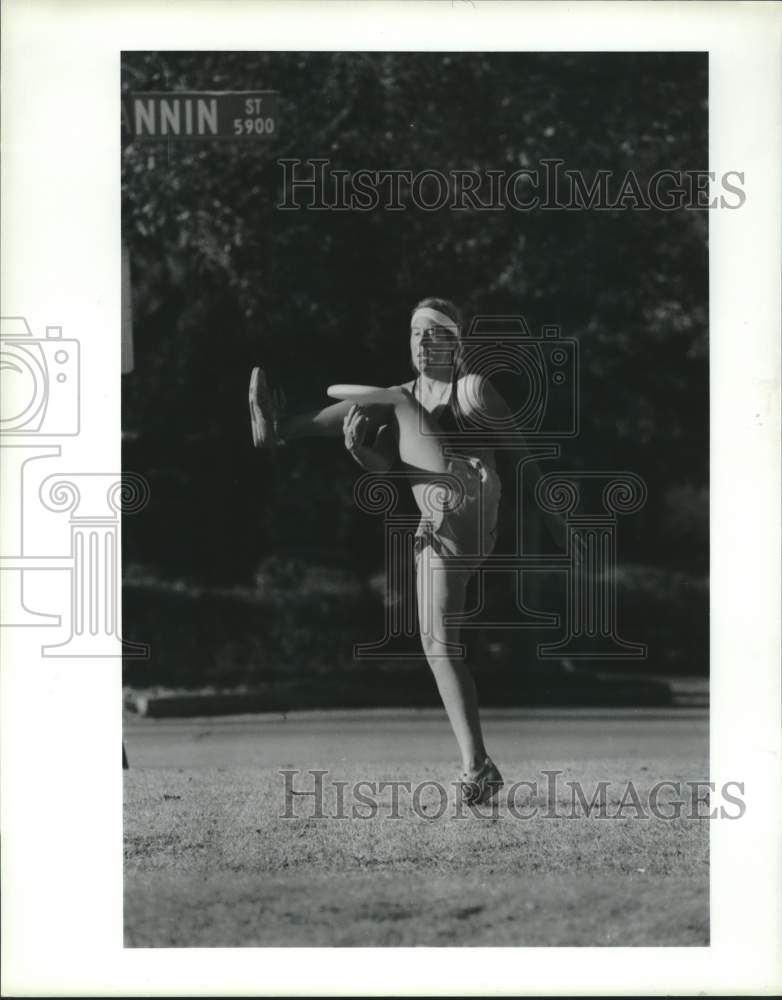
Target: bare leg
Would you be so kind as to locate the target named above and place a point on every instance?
(440, 593)
(317, 423)
(419, 446)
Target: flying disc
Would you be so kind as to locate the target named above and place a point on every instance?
(363, 393)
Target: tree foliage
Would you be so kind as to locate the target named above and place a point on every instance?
(223, 279)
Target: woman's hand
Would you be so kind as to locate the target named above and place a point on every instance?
(355, 427)
(373, 458)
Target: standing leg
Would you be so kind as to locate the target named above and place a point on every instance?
(441, 593)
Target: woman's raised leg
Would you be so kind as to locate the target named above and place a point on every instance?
(326, 422)
(419, 441)
(419, 444)
(272, 426)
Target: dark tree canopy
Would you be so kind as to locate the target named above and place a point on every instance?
(224, 280)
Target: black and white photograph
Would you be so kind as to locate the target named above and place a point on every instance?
(417, 607)
(390, 459)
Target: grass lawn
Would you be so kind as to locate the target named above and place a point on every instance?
(211, 860)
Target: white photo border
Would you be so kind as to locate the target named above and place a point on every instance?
(61, 719)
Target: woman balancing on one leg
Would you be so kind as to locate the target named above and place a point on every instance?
(439, 401)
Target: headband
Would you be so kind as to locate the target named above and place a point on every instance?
(437, 318)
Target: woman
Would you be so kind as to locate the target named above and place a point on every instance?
(455, 485)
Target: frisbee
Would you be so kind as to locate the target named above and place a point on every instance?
(363, 393)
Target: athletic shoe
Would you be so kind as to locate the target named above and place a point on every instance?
(263, 412)
(479, 787)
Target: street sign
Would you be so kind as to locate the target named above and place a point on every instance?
(199, 114)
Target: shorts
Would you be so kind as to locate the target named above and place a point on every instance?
(462, 516)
